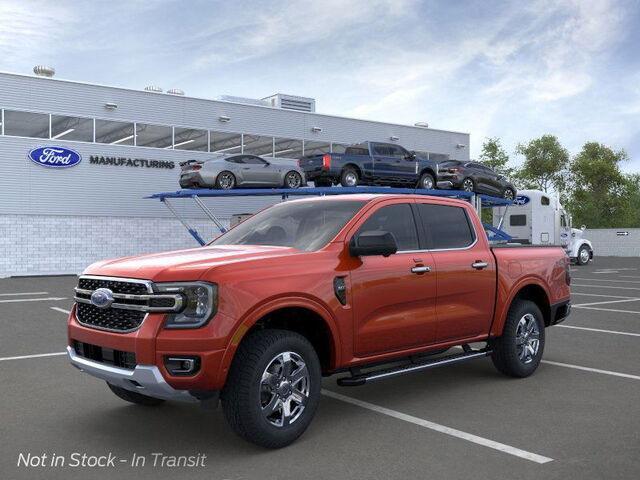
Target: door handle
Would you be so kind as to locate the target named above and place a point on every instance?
(478, 265)
(422, 269)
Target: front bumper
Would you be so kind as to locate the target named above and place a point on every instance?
(144, 379)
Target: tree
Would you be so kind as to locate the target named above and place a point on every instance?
(494, 156)
(602, 196)
(545, 164)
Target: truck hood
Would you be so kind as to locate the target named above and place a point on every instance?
(183, 265)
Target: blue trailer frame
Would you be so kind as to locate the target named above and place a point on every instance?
(478, 200)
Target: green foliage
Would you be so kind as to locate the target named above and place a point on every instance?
(545, 164)
(494, 156)
(601, 195)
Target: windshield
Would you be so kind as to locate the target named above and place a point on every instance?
(302, 225)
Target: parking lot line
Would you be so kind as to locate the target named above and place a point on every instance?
(533, 457)
(598, 295)
(22, 293)
(589, 369)
(61, 310)
(607, 309)
(606, 280)
(23, 357)
(18, 300)
(615, 332)
(607, 286)
(605, 302)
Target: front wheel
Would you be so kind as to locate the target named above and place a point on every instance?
(426, 182)
(273, 388)
(293, 180)
(584, 255)
(517, 353)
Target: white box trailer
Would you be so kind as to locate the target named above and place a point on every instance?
(537, 218)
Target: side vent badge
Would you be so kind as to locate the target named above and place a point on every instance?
(340, 289)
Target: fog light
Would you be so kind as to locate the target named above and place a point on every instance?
(182, 365)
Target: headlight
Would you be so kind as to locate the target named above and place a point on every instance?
(200, 303)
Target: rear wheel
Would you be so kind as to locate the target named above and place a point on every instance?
(468, 185)
(135, 397)
(584, 255)
(293, 179)
(273, 388)
(225, 180)
(349, 177)
(427, 182)
(518, 351)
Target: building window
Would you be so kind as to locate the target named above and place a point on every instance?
(157, 136)
(190, 139)
(287, 148)
(114, 133)
(225, 142)
(26, 124)
(338, 147)
(316, 148)
(71, 128)
(257, 145)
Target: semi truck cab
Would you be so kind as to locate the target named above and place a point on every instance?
(538, 218)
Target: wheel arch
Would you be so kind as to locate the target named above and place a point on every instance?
(298, 314)
(430, 171)
(527, 290)
(354, 166)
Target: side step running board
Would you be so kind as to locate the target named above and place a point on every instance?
(361, 379)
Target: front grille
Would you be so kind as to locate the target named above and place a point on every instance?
(109, 356)
(109, 318)
(128, 306)
(116, 286)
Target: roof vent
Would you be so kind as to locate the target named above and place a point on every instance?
(44, 71)
(292, 102)
(422, 124)
(175, 91)
(153, 88)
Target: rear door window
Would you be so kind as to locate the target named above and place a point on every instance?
(446, 226)
(397, 220)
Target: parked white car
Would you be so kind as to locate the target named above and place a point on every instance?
(538, 218)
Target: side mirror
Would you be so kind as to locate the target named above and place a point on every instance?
(410, 156)
(374, 242)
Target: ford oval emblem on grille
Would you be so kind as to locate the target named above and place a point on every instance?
(55, 157)
(102, 298)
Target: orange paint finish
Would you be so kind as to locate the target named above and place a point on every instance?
(390, 311)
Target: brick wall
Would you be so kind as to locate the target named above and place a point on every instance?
(48, 244)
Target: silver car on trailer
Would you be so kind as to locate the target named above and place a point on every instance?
(242, 170)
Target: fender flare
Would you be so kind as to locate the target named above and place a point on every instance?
(498, 323)
(578, 245)
(262, 309)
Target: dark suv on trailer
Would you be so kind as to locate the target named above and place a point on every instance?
(475, 177)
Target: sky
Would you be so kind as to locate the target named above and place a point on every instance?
(514, 70)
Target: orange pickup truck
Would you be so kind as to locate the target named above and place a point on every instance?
(370, 286)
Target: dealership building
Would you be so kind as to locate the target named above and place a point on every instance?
(127, 144)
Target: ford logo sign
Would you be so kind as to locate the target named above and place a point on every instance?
(521, 200)
(102, 298)
(55, 157)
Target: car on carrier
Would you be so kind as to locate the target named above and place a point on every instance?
(475, 177)
(232, 171)
(371, 163)
(365, 286)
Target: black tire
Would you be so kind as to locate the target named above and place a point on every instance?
(243, 395)
(323, 183)
(135, 397)
(292, 180)
(468, 185)
(427, 182)
(349, 177)
(580, 259)
(509, 194)
(505, 353)
(222, 183)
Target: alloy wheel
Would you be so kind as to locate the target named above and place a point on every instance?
(351, 179)
(226, 181)
(427, 183)
(293, 180)
(467, 185)
(284, 389)
(527, 338)
(584, 255)
(508, 194)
